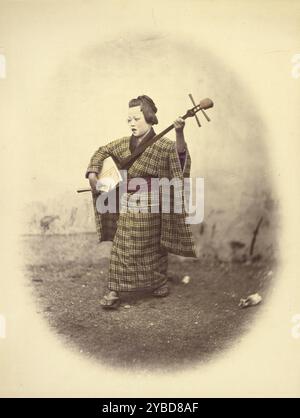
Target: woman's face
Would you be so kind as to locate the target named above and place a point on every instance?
(136, 121)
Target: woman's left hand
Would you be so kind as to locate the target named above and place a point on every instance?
(179, 124)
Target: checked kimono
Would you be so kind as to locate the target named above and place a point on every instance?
(142, 241)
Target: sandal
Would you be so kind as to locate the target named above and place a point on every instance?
(161, 291)
(110, 300)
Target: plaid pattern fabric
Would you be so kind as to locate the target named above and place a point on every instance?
(158, 160)
(137, 259)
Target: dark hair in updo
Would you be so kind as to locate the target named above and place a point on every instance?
(147, 107)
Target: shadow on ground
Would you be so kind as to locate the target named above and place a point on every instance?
(196, 321)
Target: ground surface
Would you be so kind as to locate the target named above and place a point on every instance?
(194, 323)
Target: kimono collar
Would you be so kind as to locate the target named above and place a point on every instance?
(133, 139)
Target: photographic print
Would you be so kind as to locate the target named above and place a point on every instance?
(150, 230)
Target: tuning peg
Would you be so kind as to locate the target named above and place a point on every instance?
(204, 113)
(193, 101)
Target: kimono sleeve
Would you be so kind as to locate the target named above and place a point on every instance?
(96, 162)
(176, 235)
(179, 164)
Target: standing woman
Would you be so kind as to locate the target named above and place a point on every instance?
(142, 241)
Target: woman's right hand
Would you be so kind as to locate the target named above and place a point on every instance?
(93, 182)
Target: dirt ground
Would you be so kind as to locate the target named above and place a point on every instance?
(196, 322)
